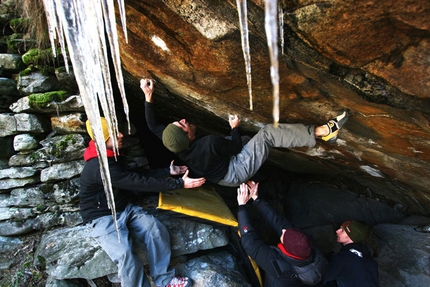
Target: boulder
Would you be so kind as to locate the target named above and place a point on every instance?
(403, 254)
(71, 253)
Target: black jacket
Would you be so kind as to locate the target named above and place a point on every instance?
(267, 257)
(353, 266)
(207, 156)
(93, 203)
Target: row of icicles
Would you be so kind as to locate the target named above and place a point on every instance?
(69, 21)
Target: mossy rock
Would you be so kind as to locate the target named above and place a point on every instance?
(37, 57)
(62, 145)
(41, 100)
(27, 71)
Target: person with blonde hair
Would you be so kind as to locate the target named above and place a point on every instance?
(134, 223)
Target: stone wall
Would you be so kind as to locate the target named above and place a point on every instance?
(39, 180)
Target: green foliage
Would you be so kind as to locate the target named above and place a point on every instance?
(62, 145)
(43, 59)
(41, 261)
(64, 142)
(41, 207)
(27, 71)
(17, 278)
(18, 44)
(12, 41)
(26, 275)
(41, 100)
(35, 156)
(18, 25)
(38, 57)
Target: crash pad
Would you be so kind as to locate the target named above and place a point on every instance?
(202, 202)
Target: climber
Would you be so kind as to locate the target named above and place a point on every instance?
(226, 162)
(134, 223)
(353, 265)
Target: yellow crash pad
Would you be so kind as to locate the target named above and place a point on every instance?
(202, 202)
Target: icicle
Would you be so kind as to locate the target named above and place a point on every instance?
(109, 16)
(123, 19)
(83, 25)
(271, 27)
(281, 27)
(243, 20)
(55, 28)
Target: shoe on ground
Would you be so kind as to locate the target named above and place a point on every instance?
(180, 282)
(334, 126)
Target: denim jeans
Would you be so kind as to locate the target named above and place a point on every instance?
(245, 164)
(134, 223)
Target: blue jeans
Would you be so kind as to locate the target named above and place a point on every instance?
(245, 164)
(134, 223)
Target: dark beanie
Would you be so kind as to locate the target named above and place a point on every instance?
(175, 139)
(358, 231)
(297, 243)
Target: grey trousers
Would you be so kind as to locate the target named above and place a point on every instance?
(245, 164)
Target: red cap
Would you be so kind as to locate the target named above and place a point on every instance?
(297, 244)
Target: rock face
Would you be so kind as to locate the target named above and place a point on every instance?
(370, 57)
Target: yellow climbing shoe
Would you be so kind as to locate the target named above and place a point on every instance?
(334, 126)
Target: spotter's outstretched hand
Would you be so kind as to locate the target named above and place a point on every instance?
(192, 182)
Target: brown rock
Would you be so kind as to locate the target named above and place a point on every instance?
(370, 57)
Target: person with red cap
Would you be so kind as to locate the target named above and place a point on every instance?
(294, 261)
(353, 265)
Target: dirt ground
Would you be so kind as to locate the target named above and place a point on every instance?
(24, 273)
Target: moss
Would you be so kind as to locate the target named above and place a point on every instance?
(13, 41)
(40, 207)
(62, 145)
(46, 70)
(26, 72)
(41, 100)
(34, 156)
(37, 56)
(46, 188)
(19, 24)
(43, 59)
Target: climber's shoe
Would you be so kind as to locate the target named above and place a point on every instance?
(334, 126)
